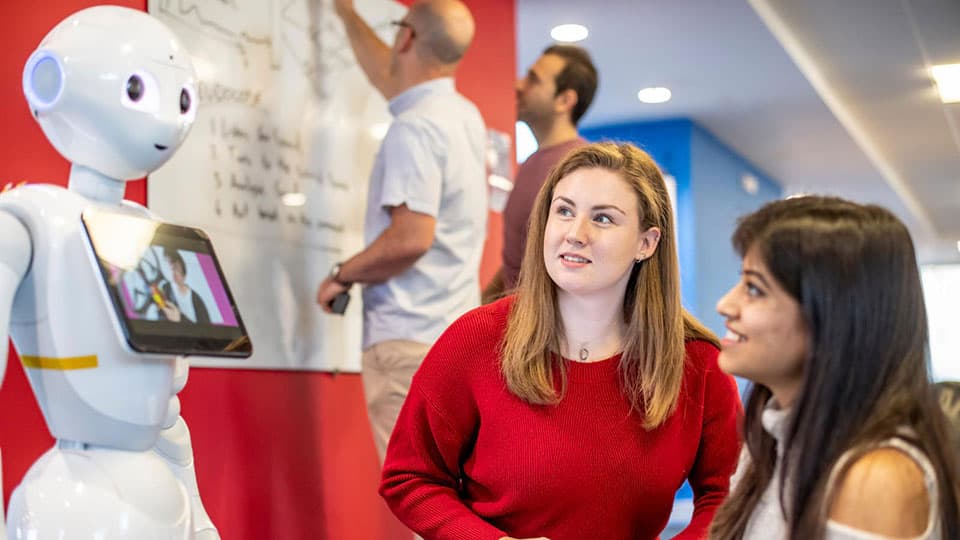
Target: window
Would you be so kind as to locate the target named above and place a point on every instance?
(941, 291)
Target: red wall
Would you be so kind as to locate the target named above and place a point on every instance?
(279, 454)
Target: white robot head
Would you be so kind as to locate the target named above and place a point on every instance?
(113, 90)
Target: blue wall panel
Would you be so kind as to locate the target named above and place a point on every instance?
(719, 199)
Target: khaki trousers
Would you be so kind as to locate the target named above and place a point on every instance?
(388, 368)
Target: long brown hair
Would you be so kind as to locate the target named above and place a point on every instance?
(651, 367)
(853, 270)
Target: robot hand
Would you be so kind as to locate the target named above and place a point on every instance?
(175, 448)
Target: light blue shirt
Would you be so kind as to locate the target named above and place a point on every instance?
(432, 160)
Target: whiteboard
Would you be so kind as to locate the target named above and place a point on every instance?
(276, 167)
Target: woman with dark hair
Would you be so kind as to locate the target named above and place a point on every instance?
(577, 408)
(844, 436)
(182, 302)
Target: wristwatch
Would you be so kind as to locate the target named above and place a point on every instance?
(335, 275)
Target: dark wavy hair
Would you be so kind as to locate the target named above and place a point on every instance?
(852, 268)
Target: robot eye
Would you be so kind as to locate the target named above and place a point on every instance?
(185, 101)
(141, 92)
(135, 88)
(188, 103)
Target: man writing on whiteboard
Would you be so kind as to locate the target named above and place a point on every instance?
(426, 208)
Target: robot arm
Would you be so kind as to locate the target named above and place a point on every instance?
(15, 252)
(175, 447)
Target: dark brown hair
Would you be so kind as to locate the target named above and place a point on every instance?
(579, 74)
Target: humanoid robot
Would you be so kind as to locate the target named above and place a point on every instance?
(112, 89)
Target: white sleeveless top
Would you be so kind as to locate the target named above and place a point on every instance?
(767, 520)
(839, 531)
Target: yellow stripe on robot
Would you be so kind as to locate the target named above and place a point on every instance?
(73, 362)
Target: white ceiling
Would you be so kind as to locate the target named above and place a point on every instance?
(825, 96)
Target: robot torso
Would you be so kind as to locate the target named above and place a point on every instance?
(90, 386)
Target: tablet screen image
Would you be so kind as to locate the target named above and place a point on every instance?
(166, 286)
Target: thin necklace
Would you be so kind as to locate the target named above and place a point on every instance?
(584, 351)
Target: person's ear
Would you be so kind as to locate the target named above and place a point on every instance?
(565, 101)
(649, 240)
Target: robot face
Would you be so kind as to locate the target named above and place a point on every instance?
(113, 90)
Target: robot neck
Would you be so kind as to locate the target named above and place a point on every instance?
(96, 186)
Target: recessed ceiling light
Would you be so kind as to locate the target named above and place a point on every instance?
(750, 183)
(948, 81)
(654, 94)
(569, 32)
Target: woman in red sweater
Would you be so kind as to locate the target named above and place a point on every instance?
(577, 408)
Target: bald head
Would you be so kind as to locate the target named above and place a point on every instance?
(444, 30)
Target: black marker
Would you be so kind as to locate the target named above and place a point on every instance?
(339, 303)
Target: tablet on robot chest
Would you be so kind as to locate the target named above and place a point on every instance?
(166, 286)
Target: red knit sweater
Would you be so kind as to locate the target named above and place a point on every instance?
(469, 460)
